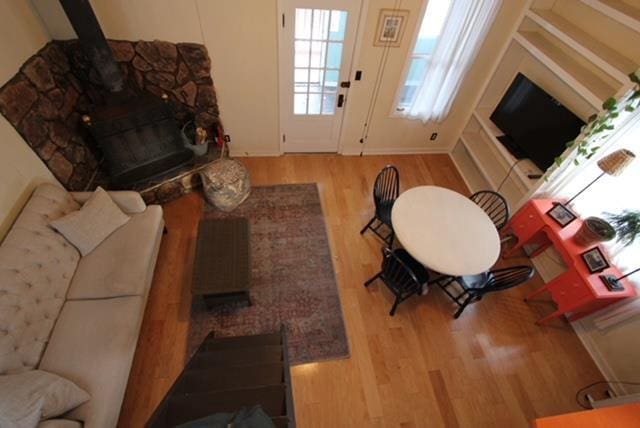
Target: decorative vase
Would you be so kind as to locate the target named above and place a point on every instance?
(592, 231)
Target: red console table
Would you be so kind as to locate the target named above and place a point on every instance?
(577, 292)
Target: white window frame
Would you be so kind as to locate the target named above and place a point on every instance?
(407, 64)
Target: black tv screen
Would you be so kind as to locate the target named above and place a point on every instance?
(535, 124)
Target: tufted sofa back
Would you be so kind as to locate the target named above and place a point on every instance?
(36, 267)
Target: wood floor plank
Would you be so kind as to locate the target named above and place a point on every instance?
(492, 367)
(444, 400)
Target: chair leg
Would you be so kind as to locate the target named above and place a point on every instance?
(369, 281)
(364, 229)
(395, 306)
(445, 285)
(462, 306)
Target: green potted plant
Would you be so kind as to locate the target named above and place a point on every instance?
(594, 230)
(627, 224)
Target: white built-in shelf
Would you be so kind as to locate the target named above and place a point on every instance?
(484, 159)
(571, 61)
(618, 10)
(472, 176)
(500, 152)
(586, 84)
(607, 59)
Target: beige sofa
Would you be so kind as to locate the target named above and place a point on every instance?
(78, 317)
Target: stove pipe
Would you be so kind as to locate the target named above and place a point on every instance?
(92, 40)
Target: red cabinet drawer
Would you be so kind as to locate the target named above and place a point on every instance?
(526, 222)
(569, 294)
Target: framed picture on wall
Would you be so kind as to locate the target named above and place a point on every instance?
(391, 24)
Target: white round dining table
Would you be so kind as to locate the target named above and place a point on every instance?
(445, 231)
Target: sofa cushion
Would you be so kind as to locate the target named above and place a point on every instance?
(93, 345)
(36, 267)
(123, 264)
(60, 423)
(98, 218)
(128, 201)
(27, 397)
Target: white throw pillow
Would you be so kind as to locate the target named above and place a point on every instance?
(31, 396)
(98, 218)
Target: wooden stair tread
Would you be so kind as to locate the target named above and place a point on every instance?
(236, 357)
(227, 378)
(227, 374)
(187, 407)
(241, 341)
(281, 422)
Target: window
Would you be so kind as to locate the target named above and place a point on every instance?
(319, 36)
(430, 30)
(613, 195)
(448, 41)
(609, 194)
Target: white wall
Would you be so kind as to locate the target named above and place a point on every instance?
(21, 35)
(242, 39)
(616, 350)
(241, 36)
(396, 135)
(171, 20)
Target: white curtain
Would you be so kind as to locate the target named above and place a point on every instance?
(466, 27)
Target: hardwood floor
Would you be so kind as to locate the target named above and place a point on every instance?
(493, 367)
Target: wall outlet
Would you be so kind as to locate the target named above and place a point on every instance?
(433, 136)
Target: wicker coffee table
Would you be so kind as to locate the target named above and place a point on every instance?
(221, 269)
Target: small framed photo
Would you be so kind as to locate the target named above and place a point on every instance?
(595, 260)
(561, 214)
(391, 24)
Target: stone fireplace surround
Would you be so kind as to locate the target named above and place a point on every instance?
(46, 99)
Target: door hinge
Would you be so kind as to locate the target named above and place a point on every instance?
(284, 138)
(283, 20)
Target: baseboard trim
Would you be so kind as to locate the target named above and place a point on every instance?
(597, 357)
(544, 268)
(245, 154)
(396, 151)
(348, 152)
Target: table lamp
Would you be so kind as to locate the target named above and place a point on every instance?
(612, 164)
(614, 283)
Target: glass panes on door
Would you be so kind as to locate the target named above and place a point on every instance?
(319, 36)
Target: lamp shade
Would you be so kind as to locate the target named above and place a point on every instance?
(614, 163)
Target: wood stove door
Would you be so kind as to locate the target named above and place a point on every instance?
(316, 41)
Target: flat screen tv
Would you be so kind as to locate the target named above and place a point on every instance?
(535, 124)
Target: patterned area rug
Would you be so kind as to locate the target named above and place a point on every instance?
(292, 277)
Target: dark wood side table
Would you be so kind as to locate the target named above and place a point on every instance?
(222, 265)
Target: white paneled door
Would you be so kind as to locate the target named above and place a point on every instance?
(315, 46)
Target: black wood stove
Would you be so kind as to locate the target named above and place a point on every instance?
(137, 133)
